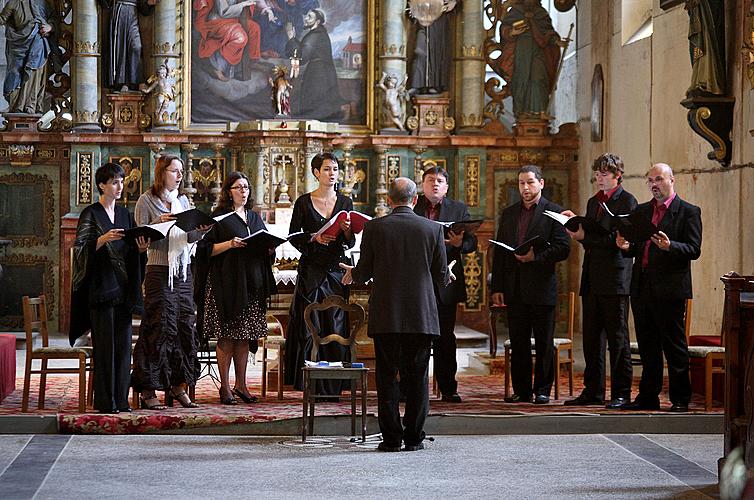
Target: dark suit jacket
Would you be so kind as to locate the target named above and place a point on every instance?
(669, 272)
(452, 211)
(405, 255)
(536, 280)
(606, 270)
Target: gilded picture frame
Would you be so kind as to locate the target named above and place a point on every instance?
(217, 93)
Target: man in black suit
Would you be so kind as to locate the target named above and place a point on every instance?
(605, 286)
(405, 256)
(526, 284)
(660, 285)
(435, 205)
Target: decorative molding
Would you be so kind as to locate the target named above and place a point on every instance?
(712, 119)
(393, 50)
(164, 49)
(471, 168)
(84, 162)
(45, 154)
(86, 48)
(20, 155)
(393, 168)
(48, 202)
(86, 116)
(472, 269)
(472, 120)
(472, 51)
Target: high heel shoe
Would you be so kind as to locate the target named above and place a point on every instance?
(227, 400)
(181, 397)
(151, 403)
(245, 398)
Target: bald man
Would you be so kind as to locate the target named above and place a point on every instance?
(660, 285)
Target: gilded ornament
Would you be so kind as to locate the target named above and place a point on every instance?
(21, 154)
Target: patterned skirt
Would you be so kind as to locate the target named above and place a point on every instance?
(251, 324)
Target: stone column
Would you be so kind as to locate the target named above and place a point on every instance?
(166, 48)
(85, 88)
(392, 51)
(381, 208)
(470, 68)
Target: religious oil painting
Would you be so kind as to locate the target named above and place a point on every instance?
(241, 48)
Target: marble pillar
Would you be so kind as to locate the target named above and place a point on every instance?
(165, 48)
(470, 70)
(86, 53)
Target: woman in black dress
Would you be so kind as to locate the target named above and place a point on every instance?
(319, 274)
(232, 285)
(106, 288)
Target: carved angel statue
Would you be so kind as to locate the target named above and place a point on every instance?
(281, 91)
(163, 86)
(394, 99)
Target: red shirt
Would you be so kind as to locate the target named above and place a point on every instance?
(524, 219)
(433, 211)
(658, 212)
(603, 197)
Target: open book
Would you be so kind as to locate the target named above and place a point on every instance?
(264, 240)
(537, 242)
(467, 226)
(332, 227)
(573, 223)
(191, 219)
(152, 232)
(635, 227)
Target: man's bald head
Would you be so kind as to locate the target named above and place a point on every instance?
(660, 181)
(402, 192)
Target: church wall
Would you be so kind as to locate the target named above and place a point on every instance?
(644, 123)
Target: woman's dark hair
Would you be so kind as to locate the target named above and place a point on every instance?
(226, 200)
(320, 158)
(106, 172)
(162, 164)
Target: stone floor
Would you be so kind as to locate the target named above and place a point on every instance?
(579, 467)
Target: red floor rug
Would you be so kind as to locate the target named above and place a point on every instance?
(482, 395)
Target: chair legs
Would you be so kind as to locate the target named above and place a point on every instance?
(42, 385)
(557, 373)
(82, 385)
(27, 383)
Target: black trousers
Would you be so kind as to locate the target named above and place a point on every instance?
(409, 354)
(111, 342)
(606, 322)
(660, 329)
(525, 321)
(444, 350)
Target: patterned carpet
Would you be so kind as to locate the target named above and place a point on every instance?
(482, 395)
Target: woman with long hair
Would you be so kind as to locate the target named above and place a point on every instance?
(233, 283)
(319, 273)
(106, 288)
(165, 354)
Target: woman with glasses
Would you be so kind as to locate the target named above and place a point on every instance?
(233, 282)
(165, 354)
(106, 288)
(319, 274)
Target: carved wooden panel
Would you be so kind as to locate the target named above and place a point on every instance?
(24, 275)
(27, 212)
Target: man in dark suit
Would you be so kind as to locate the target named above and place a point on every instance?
(526, 284)
(405, 256)
(435, 205)
(660, 285)
(605, 286)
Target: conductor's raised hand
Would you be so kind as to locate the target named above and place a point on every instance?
(454, 239)
(622, 242)
(347, 278)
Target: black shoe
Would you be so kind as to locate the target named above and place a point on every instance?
(451, 398)
(679, 408)
(616, 403)
(127, 409)
(111, 411)
(250, 398)
(584, 400)
(541, 399)
(517, 399)
(413, 447)
(384, 447)
(638, 404)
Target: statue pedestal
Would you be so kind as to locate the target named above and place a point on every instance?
(431, 115)
(531, 127)
(712, 118)
(21, 122)
(126, 114)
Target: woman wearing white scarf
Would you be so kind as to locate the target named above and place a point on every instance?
(165, 354)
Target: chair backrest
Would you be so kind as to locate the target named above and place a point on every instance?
(570, 300)
(35, 318)
(356, 317)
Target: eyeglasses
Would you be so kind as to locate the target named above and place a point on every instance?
(656, 180)
(240, 188)
(176, 172)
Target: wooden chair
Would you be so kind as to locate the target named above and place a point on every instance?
(713, 356)
(275, 341)
(356, 317)
(35, 317)
(561, 345)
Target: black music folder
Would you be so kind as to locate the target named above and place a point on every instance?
(537, 242)
(191, 219)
